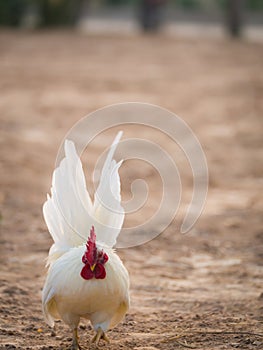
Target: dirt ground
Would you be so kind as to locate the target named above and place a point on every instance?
(202, 290)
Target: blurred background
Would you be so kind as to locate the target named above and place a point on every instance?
(149, 15)
(201, 59)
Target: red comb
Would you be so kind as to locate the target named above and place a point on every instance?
(90, 254)
(92, 237)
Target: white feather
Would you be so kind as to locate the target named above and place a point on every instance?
(69, 213)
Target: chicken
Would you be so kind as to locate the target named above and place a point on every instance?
(86, 278)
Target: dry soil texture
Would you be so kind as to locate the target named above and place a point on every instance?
(201, 290)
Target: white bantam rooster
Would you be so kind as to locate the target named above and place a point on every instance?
(86, 278)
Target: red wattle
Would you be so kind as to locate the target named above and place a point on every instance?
(99, 271)
(86, 272)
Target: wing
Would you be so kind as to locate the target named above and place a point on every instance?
(107, 210)
(69, 213)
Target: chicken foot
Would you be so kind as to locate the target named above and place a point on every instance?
(75, 340)
(99, 335)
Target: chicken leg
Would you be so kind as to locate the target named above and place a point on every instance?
(99, 335)
(75, 340)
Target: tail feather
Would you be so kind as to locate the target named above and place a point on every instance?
(107, 208)
(69, 213)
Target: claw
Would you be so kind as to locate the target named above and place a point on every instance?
(99, 335)
(105, 338)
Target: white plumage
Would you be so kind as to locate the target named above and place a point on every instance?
(69, 214)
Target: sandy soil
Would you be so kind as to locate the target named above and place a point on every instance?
(202, 290)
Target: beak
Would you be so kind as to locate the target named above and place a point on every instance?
(92, 267)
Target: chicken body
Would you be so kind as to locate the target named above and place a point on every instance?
(67, 296)
(86, 278)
